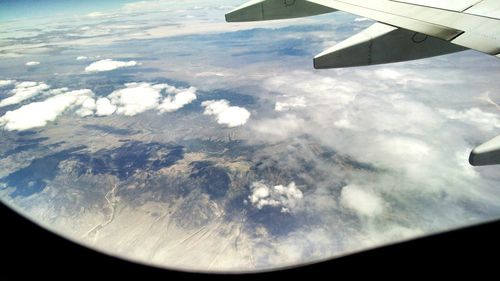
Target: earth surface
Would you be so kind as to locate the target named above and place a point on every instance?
(159, 133)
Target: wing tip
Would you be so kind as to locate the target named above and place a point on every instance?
(487, 153)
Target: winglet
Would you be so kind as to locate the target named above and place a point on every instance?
(487, 153)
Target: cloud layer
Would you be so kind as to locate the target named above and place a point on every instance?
(391, 154)
(486, 121)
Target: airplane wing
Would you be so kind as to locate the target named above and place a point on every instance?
(405, 30)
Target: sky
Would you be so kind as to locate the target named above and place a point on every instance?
(24, 9)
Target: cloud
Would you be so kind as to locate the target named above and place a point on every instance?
(403, 76)
(475, 116)
(389, 148)
(24, 91)
(361, 201)
(58, 91)
(232, 116)
(388, 73)
(135, 98)
(108, 65)
(32, 63)
(87, 108)
(278, 129)
(290, 103)
(210, 73)
(179, 100)
(139, 97)
(39, 114)
(282, 196)
(141, 5)
(4, 83)
(81, 58)
(104, 107)
(95, 14)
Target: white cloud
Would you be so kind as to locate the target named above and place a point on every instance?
(232, 116)
(210, 73)
(179, 100)
(39, 114)
(361, 201)
(108, 65)
(87, 108)
(27, 84)
(315, 89)
(104, 107)
(24, 91)
(81, 58)
(484, 120)
(58, 91)
(282, 196)
(141, 5)
(403, 76)
(32, 63)
(4, 83)
(372, 122)
(397, 147)
(164, 86)
(277, 129)
(290, 103)
(135, 98)
(388, 73)
(95, 14)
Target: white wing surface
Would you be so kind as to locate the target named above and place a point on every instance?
(413, 28)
